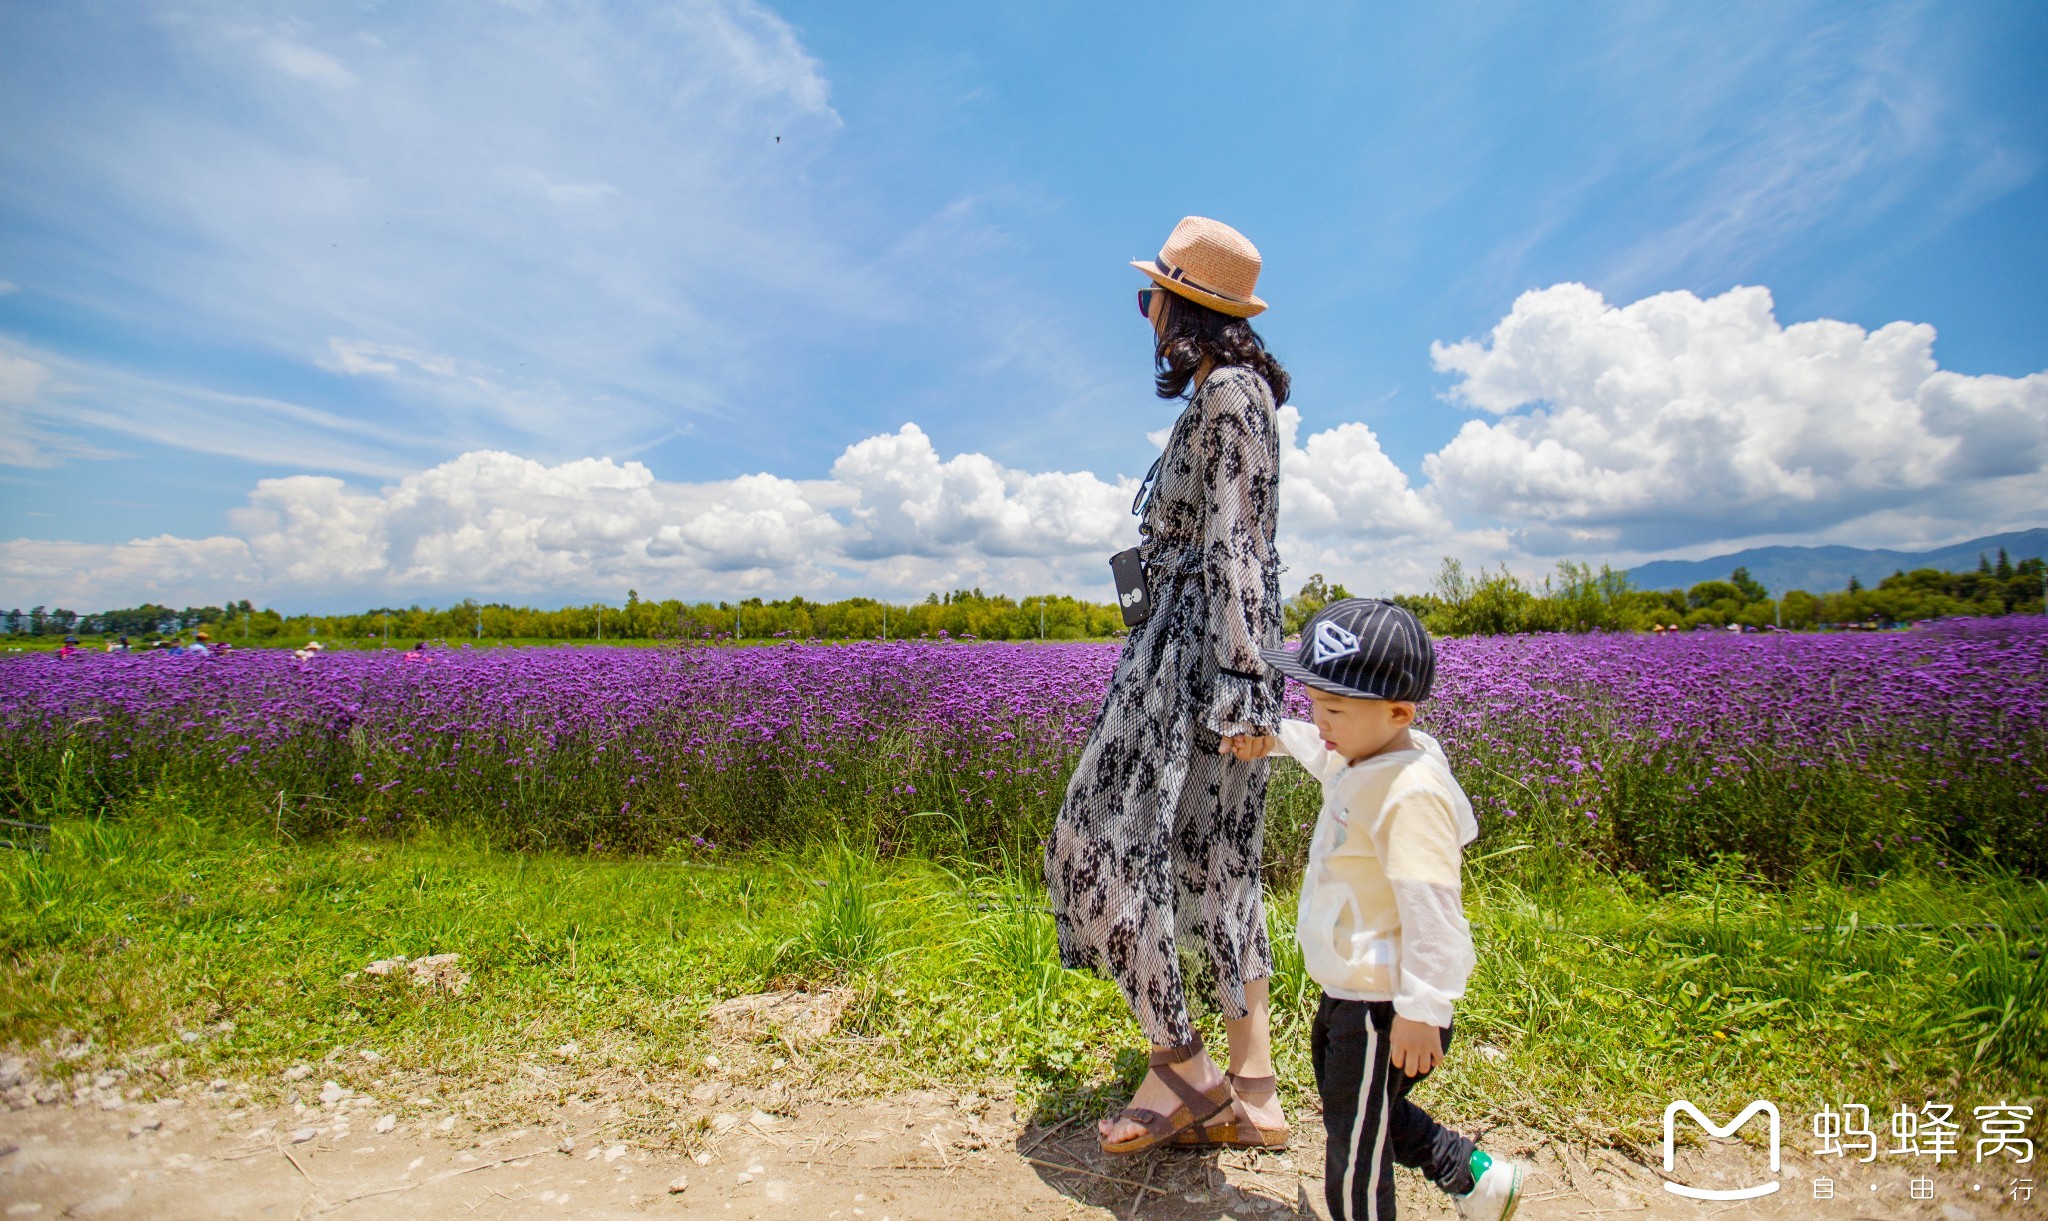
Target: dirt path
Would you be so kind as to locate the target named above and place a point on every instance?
(926, 1155)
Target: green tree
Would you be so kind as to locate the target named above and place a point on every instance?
(1748, 588)
(1315, 594)
(1801, 609)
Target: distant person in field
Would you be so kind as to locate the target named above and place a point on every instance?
(1157, 844)
(1382, 918)
(68, 650)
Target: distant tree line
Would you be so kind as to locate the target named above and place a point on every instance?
(962, 613)
(146, 620)
(1577, 598)
(966, 613)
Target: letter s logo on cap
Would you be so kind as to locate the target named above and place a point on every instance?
(1332, 643)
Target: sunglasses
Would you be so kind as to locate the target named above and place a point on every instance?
(1145, 296)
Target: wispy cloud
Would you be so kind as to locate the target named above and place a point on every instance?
(1711, 155)
(303, 62)
(574, 196)
(59, 403)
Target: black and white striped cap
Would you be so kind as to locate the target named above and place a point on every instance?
(1365, 648)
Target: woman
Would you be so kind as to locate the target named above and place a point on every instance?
(1156, 850)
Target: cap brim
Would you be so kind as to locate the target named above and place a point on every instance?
(1285, 662)
(1222, 305)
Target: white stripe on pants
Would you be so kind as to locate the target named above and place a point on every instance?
(1373, 1078)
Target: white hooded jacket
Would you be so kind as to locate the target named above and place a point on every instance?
(1382, 915)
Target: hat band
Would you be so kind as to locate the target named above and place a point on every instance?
(1179, 275)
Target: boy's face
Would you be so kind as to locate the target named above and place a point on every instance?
(1358, 729)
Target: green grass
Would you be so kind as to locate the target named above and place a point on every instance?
(1605, 999)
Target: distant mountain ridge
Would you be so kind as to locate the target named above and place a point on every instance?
(1821, 570)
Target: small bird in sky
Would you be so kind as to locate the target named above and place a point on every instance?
(778, 139)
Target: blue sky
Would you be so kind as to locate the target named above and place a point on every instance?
(318, 304)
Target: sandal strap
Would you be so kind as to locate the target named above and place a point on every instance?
(1255, 1084)
(1201, 1104)
(1156, 1125)
(1176, 1055)
(1241, 1115)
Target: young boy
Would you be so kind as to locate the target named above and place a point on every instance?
(1382, 924)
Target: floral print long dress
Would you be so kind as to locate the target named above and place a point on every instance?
(1156, 849)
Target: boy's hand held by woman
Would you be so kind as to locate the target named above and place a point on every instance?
(1245, 747)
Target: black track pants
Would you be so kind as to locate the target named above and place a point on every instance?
(1372, 1126)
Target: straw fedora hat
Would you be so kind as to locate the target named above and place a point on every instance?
(1209, 263)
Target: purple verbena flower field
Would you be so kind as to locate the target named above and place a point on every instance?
(1779, 753)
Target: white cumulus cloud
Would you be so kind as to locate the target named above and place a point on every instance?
(1605, 432)
(92, 576)
(911, 502)
(1676, 420)
(1340, 484)
(894, 516)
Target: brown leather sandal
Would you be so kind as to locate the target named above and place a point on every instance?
(1238, 1130)
(1196, 1105)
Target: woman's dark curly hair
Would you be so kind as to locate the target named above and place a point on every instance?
(1194, 332)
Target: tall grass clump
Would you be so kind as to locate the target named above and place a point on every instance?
(846, 925)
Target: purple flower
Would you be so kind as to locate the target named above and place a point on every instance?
(1937, 736)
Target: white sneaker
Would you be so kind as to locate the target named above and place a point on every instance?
(1494, 1196)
